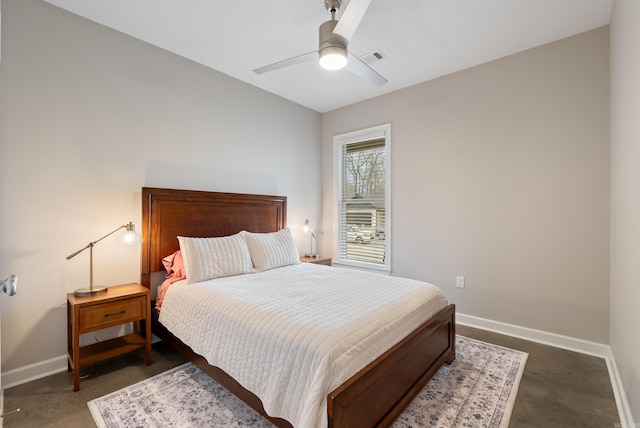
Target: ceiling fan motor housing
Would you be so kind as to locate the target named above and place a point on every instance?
(333, 47)
(327, 37)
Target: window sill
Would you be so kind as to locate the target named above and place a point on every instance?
(378, 270)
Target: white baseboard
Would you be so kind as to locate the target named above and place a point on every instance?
(39, 370)
(563, 342)
(34, 371)
(626, 418)
(539, 336)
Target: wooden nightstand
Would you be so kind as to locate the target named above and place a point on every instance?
(120, 304)
(317, 260)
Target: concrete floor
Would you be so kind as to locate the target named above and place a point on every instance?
(558, 389)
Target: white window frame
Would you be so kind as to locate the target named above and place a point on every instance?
(339, 141)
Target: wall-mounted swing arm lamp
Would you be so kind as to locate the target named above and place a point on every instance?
(308, 229)
(9, 285)
(131, 237)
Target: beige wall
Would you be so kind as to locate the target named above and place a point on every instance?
(88, 117)
(501, 175)
(625, 198)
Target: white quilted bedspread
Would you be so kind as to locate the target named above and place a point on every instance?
(293, 334)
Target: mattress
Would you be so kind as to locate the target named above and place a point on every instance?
(293, 334)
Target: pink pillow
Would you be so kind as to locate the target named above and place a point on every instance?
(175, 272)
(174, 265)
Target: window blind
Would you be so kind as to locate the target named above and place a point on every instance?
(362, 215)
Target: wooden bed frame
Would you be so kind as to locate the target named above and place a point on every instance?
(373, 397)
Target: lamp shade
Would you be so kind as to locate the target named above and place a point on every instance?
(333, 58)
(131, 237)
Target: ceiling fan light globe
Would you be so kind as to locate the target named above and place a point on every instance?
(333, 58)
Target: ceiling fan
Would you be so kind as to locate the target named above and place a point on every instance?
(332, 52)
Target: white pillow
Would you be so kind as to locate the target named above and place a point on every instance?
(209, 258)
(272, 250)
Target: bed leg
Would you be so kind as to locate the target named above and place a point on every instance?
(452, 338)
(451, 359)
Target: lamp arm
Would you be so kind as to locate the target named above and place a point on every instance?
(91, 244)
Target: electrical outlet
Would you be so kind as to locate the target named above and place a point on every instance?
(460, 281)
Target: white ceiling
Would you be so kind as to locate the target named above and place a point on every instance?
(422, 39)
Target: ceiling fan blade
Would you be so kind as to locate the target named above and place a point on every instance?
(351, 17)
(359, 68)
(310, 56)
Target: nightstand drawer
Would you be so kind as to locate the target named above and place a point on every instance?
(109, 314)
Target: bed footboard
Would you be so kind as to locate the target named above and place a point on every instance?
(375, 396)
(378, 394)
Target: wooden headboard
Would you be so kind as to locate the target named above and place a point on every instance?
(169, 213)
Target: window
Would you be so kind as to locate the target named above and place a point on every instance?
(362, 218)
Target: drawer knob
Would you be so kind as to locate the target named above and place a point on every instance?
(117, 313)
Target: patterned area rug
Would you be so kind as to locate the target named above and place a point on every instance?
(477, 390)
